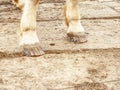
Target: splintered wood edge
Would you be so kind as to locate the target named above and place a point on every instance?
(19, 53)
(85, 86)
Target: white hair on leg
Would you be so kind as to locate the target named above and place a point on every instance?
(28, 24)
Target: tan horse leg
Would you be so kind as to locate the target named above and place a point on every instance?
(19, 3)
(28, 36)
(75, 32)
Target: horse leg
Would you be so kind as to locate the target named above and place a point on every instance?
(75, 32)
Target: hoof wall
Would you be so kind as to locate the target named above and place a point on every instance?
(77, 38)
(32, 50)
